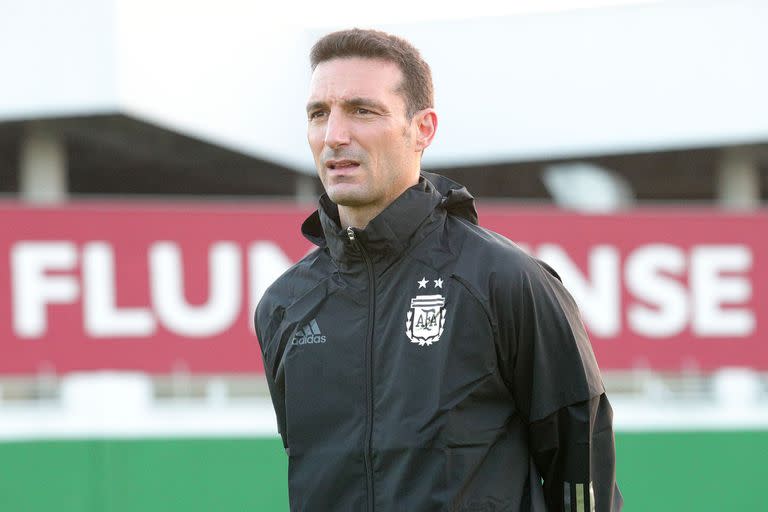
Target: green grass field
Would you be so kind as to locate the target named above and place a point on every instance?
(659, 471)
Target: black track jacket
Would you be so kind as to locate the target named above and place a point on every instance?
(427, 364)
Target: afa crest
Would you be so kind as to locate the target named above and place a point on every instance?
(425, 319)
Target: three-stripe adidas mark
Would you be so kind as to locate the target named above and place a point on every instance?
(310, 333)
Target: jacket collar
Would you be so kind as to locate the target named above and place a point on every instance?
(386, 236)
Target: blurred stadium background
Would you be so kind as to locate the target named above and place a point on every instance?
(153, 176)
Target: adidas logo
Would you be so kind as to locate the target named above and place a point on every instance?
(310, 333)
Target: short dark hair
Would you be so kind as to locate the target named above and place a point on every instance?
(375, 44)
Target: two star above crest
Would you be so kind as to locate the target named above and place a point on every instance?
(423, 283)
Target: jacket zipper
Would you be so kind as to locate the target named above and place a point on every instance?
(368, 368)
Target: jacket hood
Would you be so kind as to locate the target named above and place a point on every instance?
(404, 222)
(456, 198)
(451, 196)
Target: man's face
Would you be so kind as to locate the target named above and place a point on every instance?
(363, 144)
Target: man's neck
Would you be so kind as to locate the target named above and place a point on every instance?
(360, 216)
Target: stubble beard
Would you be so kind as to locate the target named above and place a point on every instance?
(352, 196)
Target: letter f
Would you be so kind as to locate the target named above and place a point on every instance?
(33, 290)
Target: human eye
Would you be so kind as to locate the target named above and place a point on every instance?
(315, 114)
(363, 111)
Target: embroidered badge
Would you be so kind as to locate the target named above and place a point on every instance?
(425, 320)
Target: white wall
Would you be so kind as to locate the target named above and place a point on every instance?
(644, 76)
(56, 58)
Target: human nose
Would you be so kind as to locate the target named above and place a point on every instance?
(336, 131)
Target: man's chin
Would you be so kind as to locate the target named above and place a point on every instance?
(346, 196)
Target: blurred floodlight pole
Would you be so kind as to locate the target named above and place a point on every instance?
(42, 165)
(587, 187)
(738, 185)
(305, 189)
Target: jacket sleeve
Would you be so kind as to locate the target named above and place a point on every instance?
(265, 319)
(548, 363)
(573, 449)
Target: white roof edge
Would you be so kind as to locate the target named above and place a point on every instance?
(606, 80)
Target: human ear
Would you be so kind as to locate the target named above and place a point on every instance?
(426, 125)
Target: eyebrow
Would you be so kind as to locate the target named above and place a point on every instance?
(350, 102)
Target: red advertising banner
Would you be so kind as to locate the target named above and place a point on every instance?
(160, 287)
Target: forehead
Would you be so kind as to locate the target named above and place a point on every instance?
(353, 77)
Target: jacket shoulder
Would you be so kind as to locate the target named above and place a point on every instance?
(499, 272)
(300, 278)
(538, 325)
(502, 259)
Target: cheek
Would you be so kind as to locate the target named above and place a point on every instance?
(396, 149)
(315, 138)
(387, 146)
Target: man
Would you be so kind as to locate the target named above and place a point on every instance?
(416, 361)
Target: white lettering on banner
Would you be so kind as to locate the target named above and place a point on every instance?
(647, 275)
(599, 299)
(102, 317)
(266, 262)
(224, 284)
(710, 290)
(705, 289)
(33, 290)
(654, 275)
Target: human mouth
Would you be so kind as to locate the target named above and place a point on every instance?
(341, 165)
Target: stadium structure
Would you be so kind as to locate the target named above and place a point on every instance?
(154, 174)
